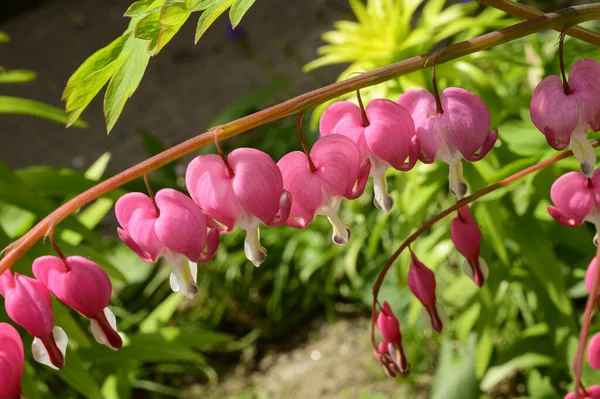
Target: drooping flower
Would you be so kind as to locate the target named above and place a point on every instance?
(593, 352)
(593, 392)
(12, 361)
(466, 236)
(589, 274)
(84, 286)
(576, 199)
(253, 195)
(421, 281)
(172, 226)
(567, 118)
(27, 303)
(337, 175)
(385, 135)
(391, 352)
(462, 131)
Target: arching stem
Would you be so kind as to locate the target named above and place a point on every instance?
(304, 146)
(60, 253)
(568, 16)
(467, 200)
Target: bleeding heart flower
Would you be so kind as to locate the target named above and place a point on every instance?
(84, 286)
(12, 361)
(385, 135)
(173, 227)
(27, 303)
(421, 282)
(466, 236)
(567, 118)
(592, 392)
(391, 349)
(589, 274)
(462, 131)
(576, 199)
(593, 352)
(253, 195)
(337, 175)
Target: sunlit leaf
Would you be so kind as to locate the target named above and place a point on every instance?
(16, 105)
(239, 8)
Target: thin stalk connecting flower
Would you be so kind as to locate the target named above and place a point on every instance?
(465, 201)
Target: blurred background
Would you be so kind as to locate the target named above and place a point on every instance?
(298, 326)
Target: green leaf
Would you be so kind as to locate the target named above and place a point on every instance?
(98, 168)
(97, 61)
(199, 5)
(23, 106)
(63, 318)
(142, 7)
(455, 375)
(17, 76)
(238, 9)
(525, 361)
(161, 314)
(4, 38)
(125, 80)
(175, 12)
(76, 375)
(210, 15)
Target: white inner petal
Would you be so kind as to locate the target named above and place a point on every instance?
(382, 199)
(98, 333)
(184, 275)
(252, 248)
(457, 184)
(584, 151)
(330, 209)
(39, 352)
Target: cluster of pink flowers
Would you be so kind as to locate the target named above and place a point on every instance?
(80, 284)
(248, 188)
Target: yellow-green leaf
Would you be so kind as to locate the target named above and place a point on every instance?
(239, 8)
(210, 15)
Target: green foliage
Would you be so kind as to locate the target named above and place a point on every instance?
(123, 62)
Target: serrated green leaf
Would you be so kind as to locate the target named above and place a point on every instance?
(142, 7)
(175, 12)
(125, 80)
(23, 106)
(239, 8)
(210, 15)
(17, 76)
(89, 87)
(95, 62)
(200, 5)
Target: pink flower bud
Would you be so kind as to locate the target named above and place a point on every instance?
(27, 303)
(461, 131)
(593, 392)
(338, 175)
(387, 138)
(11, 362)
(567, 118)
(421, 282)
(253, 195)
(589, 274)
(388, 325)
(576, 199)
(85, 287)
(178, 230)
(593, 352)
(466, 236)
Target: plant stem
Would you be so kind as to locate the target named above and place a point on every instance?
(363, 113)
(304, 102)
(466, 200)
(585, 326)
(524, 12)
(561, 60)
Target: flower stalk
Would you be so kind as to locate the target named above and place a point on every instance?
(466, 200)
